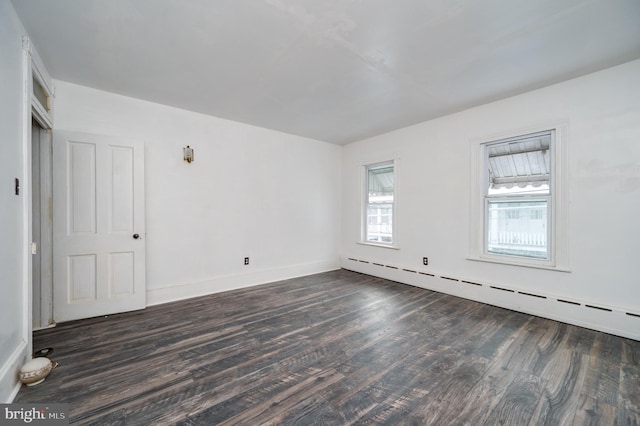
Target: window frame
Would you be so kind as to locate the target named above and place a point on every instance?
(36, 72)
(364, 190)
(557, 200)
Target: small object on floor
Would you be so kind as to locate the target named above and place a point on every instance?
(35, 371)
(44, 352)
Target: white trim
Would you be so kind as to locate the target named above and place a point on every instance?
(46, 230)
(27, 237)
(562, 200)
(559, 204)
(516, 261)
(9, 383)
(382, 245)
(42, 113)
(187, 290)
(41, 72)
(46, 190)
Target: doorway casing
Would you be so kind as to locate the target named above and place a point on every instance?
(41, 231)
(35, 77)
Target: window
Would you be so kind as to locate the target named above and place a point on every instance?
(40, 93)
(38, 82)
(517, 187)
(519, 201)
(379, 203)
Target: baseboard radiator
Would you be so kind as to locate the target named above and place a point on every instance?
(609, 319)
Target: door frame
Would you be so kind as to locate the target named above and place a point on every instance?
(45, 243)
(32, 108)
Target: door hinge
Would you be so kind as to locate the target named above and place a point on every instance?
(34, 248)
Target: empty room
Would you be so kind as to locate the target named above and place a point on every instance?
(320, 212)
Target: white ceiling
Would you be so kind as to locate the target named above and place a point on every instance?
(334, 70)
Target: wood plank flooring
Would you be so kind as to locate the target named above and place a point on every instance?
(337, 348)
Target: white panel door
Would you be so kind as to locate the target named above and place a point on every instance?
(98, 226)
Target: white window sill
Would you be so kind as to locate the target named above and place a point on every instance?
(518, 262)
(387, 246)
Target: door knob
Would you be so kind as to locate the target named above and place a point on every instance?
(136, 236)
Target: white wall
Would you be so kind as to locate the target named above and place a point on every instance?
(250, 192)
(14, 340)
(603, 114)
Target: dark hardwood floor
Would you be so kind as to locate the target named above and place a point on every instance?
(337, 348)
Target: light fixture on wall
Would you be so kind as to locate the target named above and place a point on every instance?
(188, 154)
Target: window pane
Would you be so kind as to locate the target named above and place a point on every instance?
(520, 166)
(40, 94)
(380, 184)
(518, 228)
(380, 223)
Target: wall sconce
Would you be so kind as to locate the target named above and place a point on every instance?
(188, 154)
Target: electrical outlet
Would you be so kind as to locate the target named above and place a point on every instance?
(246, 260)
(425, 261)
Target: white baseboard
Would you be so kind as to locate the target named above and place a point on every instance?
(9, 383)
(156, 296)
(616, 320)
